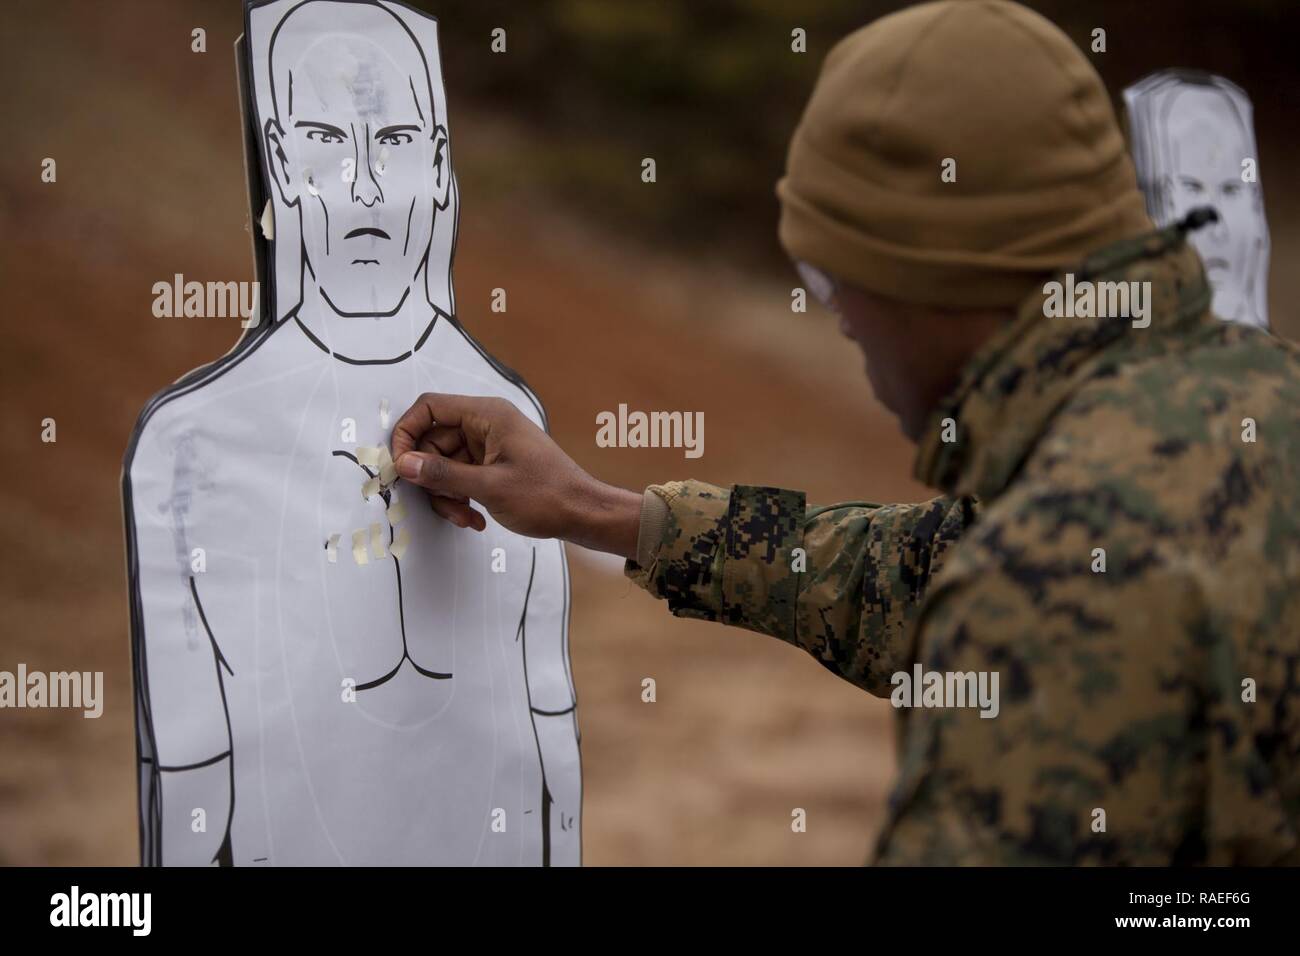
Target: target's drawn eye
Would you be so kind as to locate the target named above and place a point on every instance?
(322, 133)
(396, 135)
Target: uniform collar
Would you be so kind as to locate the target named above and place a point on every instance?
(1013, 386)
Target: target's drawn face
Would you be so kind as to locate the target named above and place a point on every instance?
(1193, 146)
(356, 147)
(1207, 145)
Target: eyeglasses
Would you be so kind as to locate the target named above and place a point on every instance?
(823, 286)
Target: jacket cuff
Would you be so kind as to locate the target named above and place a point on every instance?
(724, 555)
(654, 519)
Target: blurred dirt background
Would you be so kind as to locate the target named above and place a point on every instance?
(664, 296)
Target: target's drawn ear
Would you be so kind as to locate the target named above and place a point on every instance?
(441, 168)
(278, 161)
(1163, 188)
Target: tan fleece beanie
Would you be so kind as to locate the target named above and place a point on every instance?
(1042, 175)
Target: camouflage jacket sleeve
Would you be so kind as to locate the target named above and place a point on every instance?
(843, 582)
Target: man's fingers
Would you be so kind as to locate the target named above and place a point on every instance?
(446, 476)
(470, 414)
(436, 443)
(457, 512)
(447, 439)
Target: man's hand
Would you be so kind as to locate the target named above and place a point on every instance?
(459, 447)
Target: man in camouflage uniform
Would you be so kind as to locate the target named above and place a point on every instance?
(1118, 536)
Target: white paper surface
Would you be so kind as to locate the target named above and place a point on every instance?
(1193, 141)
(415, 709)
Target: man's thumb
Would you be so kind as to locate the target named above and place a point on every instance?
(443, 475)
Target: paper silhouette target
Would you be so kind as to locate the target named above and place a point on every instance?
(1194, 145)
(327, 677)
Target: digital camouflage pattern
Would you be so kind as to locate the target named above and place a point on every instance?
(1120, 690)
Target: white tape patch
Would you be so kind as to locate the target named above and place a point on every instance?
(396, 511)
(381, 459)
(359, 554)
(267, 222)
(332, 549)
(377, 546)
(401, 543)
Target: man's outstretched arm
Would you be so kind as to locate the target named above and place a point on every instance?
(843, 582)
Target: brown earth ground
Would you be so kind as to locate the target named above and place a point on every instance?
(149, 184)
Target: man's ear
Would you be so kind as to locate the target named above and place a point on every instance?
(278, 161)
(441, 168)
